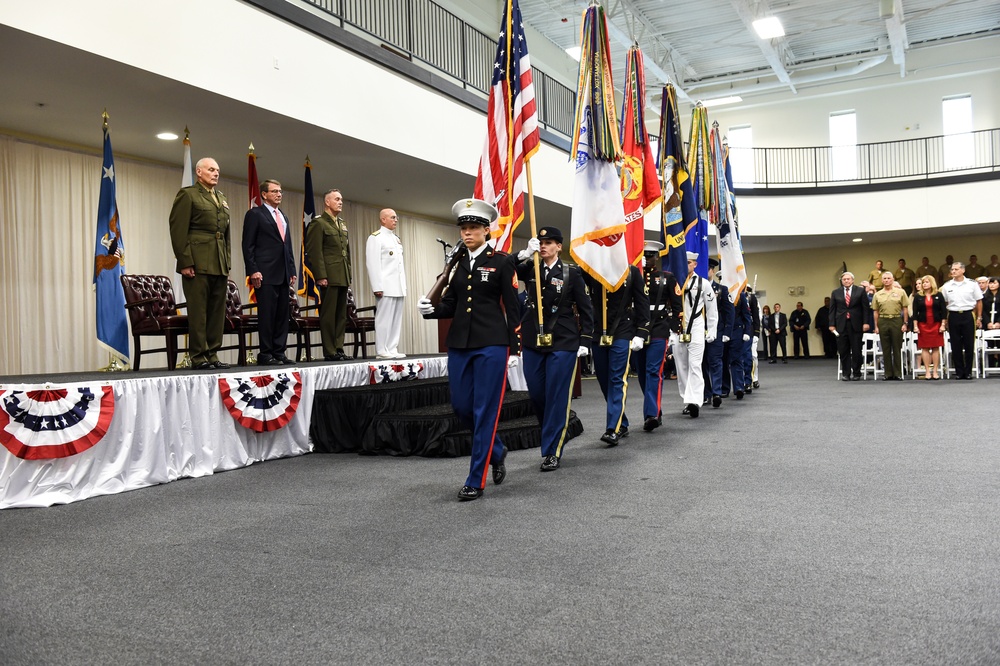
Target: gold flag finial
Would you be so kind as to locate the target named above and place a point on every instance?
(187, 133)
(308, 164)
(104, 117)
(251, 147)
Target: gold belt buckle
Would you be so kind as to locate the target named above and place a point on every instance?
(684, 337)
(606, 340)
(544, 340)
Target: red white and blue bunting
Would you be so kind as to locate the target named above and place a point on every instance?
(262, 402)
(55, 422)
(394, 372)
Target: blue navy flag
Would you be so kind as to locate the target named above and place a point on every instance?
(109, 263)
(679, 207)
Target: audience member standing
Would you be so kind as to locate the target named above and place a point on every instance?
(848, 321)
(993, 269)
(929, 314)
(889, 308)
(944, 270)
(199, 233)
(905, 277)
(973, 270)
(991, 314)
(778, 333)
(330, 257)
(800, 321)
(875, 276)
(823, 326)
(270, 266)
(925, 268)
(765, 331)
(384, 259)
(965, 302)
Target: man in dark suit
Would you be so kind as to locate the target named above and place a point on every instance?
(848, 321)
(270, 264)
(199, 234)
(778, 333)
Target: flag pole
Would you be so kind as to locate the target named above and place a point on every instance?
(114, 364)
(251, 358)
(543, 339)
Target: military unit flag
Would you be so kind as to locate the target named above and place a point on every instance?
(308, 288)
(109, 262)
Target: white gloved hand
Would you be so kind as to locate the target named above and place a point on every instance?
(513, 361)
(725, 338)
(424, 306)
(746, 338)
(710, 337)
(533, 246)
(582, 351)
(636, 344)
(756, 340)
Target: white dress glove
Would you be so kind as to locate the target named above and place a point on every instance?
(424, 306)
(710, 338)
(746, 338)
(533, 247)
(513, 361)
(756, 340)
(636, 344)
(725, 338)
(582, 352)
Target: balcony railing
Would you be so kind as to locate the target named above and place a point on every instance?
(423, 31)
(867, 163)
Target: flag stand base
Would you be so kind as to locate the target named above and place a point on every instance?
(115, 365)
(184, 362)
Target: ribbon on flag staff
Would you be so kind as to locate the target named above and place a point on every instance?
(598, 217)
(730, 247)
(700, 163)
(679, 209)
(308, 288)
(511, 130)
(109, 262)
(640, 185)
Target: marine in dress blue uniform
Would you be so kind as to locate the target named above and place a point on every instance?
(739, 345)
(481, 300)
(712, 364)
(626, 330)
(664, 304)
(550, 370)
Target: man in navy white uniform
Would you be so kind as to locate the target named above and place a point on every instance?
(964, 300)
(384, 259)
(621, 321)
(664, 306)
(481, 300)
(550, 369)
(700, 322)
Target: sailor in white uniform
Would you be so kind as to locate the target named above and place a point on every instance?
(384, 258)
(701, 318)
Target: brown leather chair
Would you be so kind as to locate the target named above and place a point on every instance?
(359, 327)
(149, 300)
(240, 320)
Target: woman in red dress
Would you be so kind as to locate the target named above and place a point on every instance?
(929, 313)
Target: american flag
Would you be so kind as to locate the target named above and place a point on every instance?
(512, 130)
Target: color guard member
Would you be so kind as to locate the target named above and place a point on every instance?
(481, 300)
(715, 349)
(550, 365)
(698, 326)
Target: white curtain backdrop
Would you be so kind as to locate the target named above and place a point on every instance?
(48, 220)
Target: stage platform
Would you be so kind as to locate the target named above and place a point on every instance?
(68, 437)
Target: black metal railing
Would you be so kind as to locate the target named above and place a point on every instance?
(424, 31)
(925, 158)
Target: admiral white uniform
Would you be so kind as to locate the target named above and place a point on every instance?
(701, 317)
(384, 258)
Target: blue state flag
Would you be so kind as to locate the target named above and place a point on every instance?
(109, 263)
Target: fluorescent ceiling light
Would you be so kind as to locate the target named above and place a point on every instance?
(574, 52)
(857, 240)
(167, 136)
(719, 101)
(768, 28)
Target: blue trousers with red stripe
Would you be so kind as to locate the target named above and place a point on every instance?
(649, 367)
(611, 366)
(550, 376)
(477, 379)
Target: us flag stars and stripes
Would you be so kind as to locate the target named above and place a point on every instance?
(512, 129)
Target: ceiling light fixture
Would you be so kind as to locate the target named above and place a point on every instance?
(856, 240)
(574, 52)
(768, 28)
(720, 101)
(167, 136)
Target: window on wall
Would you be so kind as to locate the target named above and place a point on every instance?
(741, 155)
(957, 116)
(843, 142)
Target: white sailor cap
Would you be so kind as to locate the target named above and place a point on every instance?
(474, 210)
(692, 256)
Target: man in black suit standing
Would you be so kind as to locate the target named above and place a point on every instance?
(270, 264)
(848, 321)
(778, 333)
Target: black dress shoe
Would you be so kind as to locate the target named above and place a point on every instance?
(651, 424)
(500, 469)
(855, 378)
(263, 359)
(784, 361)
(693, 410)
(550, 463)
(222, 365)
(772, 362)
(204, 365)
(716, 401)
(739, 395)
(756, 385)
(269, 361)
(611, 437)
(686, 410)
(748, 390)
(468, 493)
(286, 361)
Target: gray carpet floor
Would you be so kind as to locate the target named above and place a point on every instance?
(814, 522)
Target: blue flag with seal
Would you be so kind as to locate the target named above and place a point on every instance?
(109, 263)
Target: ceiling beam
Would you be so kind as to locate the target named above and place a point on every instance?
(896, 29)
(751, 12)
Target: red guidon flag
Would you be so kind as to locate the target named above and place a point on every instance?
(511, 130)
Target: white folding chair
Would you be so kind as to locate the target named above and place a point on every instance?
(946, 367)
(910, 356)
(871, 350)
(989, 348)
